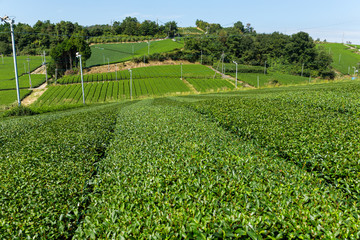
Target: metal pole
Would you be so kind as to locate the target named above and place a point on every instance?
(82, 77)
(46, 76)
(265, 68)
(236, 73)
(181, 72)
(11, 22)
(130, 84)
(28, 60)
(302, 69)
(56, 73)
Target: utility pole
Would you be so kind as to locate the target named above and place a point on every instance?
(302, 69)
(56, 73)
(11, 22)
(181, 76)
(28, 60)
(236, 73)
(82, 78)
(130, 84)
(46, 76)
(265, 68)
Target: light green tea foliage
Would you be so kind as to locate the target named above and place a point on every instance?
(99, 92)
(9, 97)
(7, 71)
(101, 54)
(343, 58)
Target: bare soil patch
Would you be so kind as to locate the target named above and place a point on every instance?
(129, 65)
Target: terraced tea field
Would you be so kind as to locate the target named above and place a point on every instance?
(171, 71)
(153, 81)
(344, 59)
(120, 52)
(273, 163)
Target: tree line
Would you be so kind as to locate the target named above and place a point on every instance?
(296, 54)
(44, 35)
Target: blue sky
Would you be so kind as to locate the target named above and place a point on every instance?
(332, 20)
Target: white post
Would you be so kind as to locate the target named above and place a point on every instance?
(82, 78)
(236, 73)
(56, 73)
(181, 76)
(258, 82)
(11, 22)
(28, 60)
(130, 84)
(46, 76)
(302, 69)
(354, 71)
(265, 68)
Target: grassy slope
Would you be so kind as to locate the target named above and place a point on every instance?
(347, 59)
(124, 51)
(8, 97)
(7, 69)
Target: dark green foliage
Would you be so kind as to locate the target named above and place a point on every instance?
(64, 54)
(19, 111)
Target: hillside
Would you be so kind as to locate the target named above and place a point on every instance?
(344, 58)
(120, 52)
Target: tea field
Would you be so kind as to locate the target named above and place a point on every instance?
(171, 71)
(121, 52)
(273, 163)
(7, 78)
(344, 58)
(153, 81)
